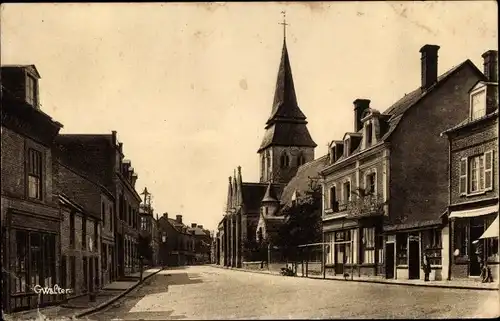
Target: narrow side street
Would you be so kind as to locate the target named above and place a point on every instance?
(203, 292)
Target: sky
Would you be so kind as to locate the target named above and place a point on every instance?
(189, 86)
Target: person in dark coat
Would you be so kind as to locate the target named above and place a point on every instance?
(427, 266)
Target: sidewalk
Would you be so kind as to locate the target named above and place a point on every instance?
(455, 284)
(81, 306)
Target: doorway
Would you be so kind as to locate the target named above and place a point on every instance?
(339, 258)
(476, 230)
(413, 257)
(389, 261)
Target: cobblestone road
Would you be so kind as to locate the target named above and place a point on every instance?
(204, 292)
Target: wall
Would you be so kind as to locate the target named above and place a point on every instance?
(418, 153)
(286, 174)
(471, 142)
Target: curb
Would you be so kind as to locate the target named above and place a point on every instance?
(121, 295)
(443, 286)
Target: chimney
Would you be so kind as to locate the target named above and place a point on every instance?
(429, 65)
(157, 216)
(491, 65)
(178, 218)
(193, 225)
(200, 226)
(165, 215)
(360, 105)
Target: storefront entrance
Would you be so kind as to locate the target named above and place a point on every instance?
(339, 258)
(476, 251)
(413, 256)
(389, 261)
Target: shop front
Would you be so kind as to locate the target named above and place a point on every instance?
(474, 242)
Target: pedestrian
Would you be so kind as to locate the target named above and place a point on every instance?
(427, 266)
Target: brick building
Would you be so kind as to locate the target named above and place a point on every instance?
(87, 238)
(287, 144)
(177, 246)
(29, 212)
(101, 157)
(386, 187)
(202, 243)
(473, 180)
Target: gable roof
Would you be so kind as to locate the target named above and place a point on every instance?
(300, 182)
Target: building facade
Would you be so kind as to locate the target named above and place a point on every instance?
(149, 227)
(473, 197)
(29, 212)
(177, 246)
(104, 162)
(383, 201)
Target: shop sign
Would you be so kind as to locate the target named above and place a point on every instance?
(413, 238)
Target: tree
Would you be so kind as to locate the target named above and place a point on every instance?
(302, 222)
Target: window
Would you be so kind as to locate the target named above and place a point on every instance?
(476, 174)
(121, 208)
(72, 230)
(431, 243)
(284, 160)
(36, 259)
(103, 213)
(370, 184)
(96, 236)
(347, 192)
(334, 204)
(368, 245)
(301, 159)
(461, 238)
(104, 256)
(21, 262)
(402, 247)
(31, 91)
(347, 144)
(380, 248)
(34, 174)
(143, 223)
(478, 105)
(84, 233)
(111, 218)
(369, 134)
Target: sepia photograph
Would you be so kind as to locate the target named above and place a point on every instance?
(249, 160)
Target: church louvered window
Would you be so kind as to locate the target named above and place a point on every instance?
(285, 160)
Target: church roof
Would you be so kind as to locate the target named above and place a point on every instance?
(269, 195)
(287, 124)
(254, 192)
(300, 182)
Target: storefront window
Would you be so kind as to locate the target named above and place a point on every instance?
(431, 245)
(491, 244)
(380, 247)
(461, 238)
(402, 247)
(21, 261)
(368, 245)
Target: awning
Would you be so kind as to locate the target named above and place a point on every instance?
(475, 212)
(492, 231)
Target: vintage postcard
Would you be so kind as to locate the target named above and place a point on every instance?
(249, 160)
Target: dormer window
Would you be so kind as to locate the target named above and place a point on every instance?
(347, 147)
(333, 156)
(478, 104)
(369, 134)
(31, 91)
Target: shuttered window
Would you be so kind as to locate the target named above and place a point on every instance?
(463, 176)
(488, 170)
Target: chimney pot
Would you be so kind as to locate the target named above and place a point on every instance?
(165, 215)
(360, 105)
(178, 218)
(491, 65)
(193, 225)
(200, 226)
(429, 65)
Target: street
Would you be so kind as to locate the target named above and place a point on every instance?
(205, 292)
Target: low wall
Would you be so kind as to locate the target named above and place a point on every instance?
(254, 265)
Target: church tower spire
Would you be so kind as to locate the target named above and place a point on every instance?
(287, 143)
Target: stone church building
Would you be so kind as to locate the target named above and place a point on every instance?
(286, 152)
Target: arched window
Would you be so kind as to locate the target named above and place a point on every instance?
(301, 160)
(284, 160)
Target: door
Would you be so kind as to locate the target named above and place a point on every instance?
(476, 251)
(339, 258)
(91, 275)
(85, 275)
(389, 261)
(414, 257)
(64, 273)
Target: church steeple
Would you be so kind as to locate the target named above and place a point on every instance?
(287, 143)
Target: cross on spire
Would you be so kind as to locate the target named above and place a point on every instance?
(284, 23)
